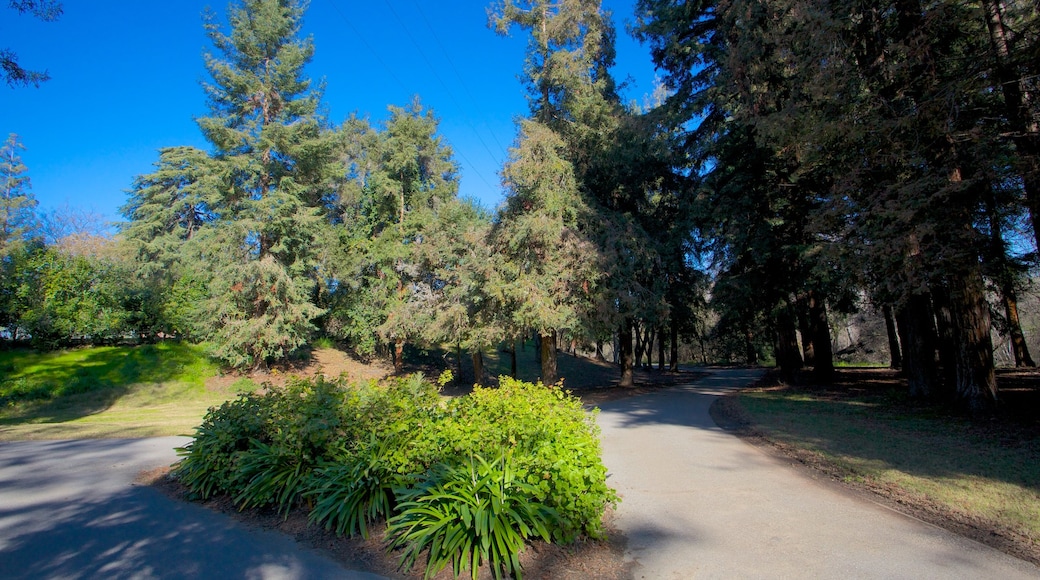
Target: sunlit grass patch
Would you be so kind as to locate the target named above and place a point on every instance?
(106, 391)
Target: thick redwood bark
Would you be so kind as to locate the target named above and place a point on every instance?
(976, 386)
(947, 341)
(895, 356)
(788, 356)
(548, 350)
(820, 331)
(917, 336)
(625, 353)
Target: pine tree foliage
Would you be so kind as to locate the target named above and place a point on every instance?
(17, 203)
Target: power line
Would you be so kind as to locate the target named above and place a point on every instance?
(447, 89)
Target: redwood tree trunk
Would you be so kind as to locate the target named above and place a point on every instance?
(976, 386)
(947, 344)
(788, 357)
(805, 330)
(895, 356)
(548, 351)
(820, 331)
(917, 336)
(625, 353)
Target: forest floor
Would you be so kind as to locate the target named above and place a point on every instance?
(874, 393)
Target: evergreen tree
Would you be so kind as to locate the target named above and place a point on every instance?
(550, 267)
(17, 204)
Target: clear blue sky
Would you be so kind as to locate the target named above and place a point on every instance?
(125, 81)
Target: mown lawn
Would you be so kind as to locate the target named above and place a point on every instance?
(137, 391)
(982, 473)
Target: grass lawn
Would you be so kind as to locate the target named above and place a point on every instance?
(138, 391)
(979, 473)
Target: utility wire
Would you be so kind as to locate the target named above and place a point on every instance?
(447, 89)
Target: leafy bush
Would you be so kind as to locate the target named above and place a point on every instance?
(360, 491)
(470, 514)
(554, 443)
(367, 452)
(210, 464)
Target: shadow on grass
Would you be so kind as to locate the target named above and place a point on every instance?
(865, 419)
(65, 385)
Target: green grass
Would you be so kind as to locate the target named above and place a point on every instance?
(876, 437)
(106, 391)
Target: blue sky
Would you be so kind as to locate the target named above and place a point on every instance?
(125, 81)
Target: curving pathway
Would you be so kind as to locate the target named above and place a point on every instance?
(698, 502)
(70, 510)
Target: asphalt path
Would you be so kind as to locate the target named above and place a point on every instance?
(71, 510)
(698, 502)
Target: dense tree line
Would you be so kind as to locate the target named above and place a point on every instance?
(800, 159)
(846, 146)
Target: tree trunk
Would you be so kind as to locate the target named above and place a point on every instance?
(660, 349)
(674, 346)
(398, 355)
(548, 356)
(895, 357)
(648, 346)
(458, 363)
(917, 336)
(976, 386)
(788, 357)
(478, 367)
(947, 343)
(625, 353)
(820, 331)
(1018, 340)
(750, 352)
(639, 346)
(599, 351)
(512, 359)
(805, 330)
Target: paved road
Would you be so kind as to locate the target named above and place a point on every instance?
(698, 502)
(69, 509)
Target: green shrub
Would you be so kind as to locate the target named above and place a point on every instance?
(271, 475)
(554, 443)
(358, 492)
(210, 462)
(470, 514)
